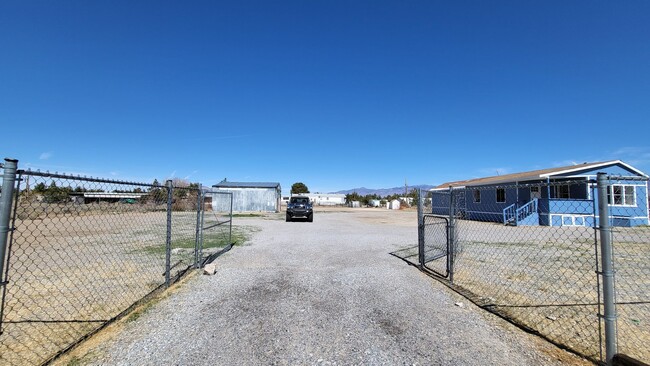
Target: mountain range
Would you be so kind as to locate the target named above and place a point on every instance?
(383, 192)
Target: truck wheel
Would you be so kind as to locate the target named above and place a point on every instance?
(310, 218)
(288, 218)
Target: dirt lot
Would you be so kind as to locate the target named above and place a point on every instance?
(327, 292)
(71, 272)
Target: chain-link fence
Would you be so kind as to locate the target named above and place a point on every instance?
(80, 252)
(631, 265)
(532, 253)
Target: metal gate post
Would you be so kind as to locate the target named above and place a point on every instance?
(168, 241)
(197, 233)
(607, 273)
(201, 231)
(420, 228)
(230, 219)
(450, 236)
(6, 198)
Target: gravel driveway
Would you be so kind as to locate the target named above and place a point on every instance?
(317, 293)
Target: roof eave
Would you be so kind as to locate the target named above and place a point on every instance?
(596, 166)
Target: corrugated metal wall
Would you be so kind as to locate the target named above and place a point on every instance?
(251, 199)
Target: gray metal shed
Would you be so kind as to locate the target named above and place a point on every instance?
(253, 196)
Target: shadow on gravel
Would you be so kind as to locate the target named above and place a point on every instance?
(408, 255)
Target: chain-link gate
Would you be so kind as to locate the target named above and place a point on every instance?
(434, 245)
(215, 235)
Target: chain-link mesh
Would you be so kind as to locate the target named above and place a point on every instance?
(217, 223)
(631, 262)
(185, 222)
(83, 251)
(531, 253)
(518, 260)
(435, 244)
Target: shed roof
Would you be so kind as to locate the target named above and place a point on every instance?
(536, 174)
(247, 185)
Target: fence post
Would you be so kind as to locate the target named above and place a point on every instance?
(420, 228)
(6, 199)
(199, 207)
(201, 233)
(609, 305)
(168, 241)
(230, 218)
(450, 236)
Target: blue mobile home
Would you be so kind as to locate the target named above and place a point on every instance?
(563, 196)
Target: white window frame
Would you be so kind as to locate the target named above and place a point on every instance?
(477, 196)
(610, 195)
(504, 195)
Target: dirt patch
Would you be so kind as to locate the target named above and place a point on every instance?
(70, 273)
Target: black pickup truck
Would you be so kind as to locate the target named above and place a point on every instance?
(299, 206)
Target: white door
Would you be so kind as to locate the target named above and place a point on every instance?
(535, 192)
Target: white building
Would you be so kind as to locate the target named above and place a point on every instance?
(393, 205)
(325, 199)
(329, 199)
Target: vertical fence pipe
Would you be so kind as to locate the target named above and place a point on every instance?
(6, 198)
(450, 236)
(420, 228)
(609, 311)
(197, 232)
(230, 225)
(168, 241)
(201, 232)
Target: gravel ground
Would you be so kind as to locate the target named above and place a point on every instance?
(326, 292)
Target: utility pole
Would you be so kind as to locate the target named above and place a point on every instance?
(405, 188)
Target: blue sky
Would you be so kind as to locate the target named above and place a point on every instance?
(336, 94)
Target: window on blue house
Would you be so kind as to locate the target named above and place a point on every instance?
(561, 191)
(477, 196)
(621, 195)
(501, 195)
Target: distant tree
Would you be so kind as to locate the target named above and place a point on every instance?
(354, 196)
(415, 195)
(178, 182)
(299, 188)
(157, 194)
(56, 194)
(365, 200)
(39, 188)
(391, 197)
(182, 184)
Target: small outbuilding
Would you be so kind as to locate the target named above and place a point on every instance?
(393, 205)
(252, 196)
